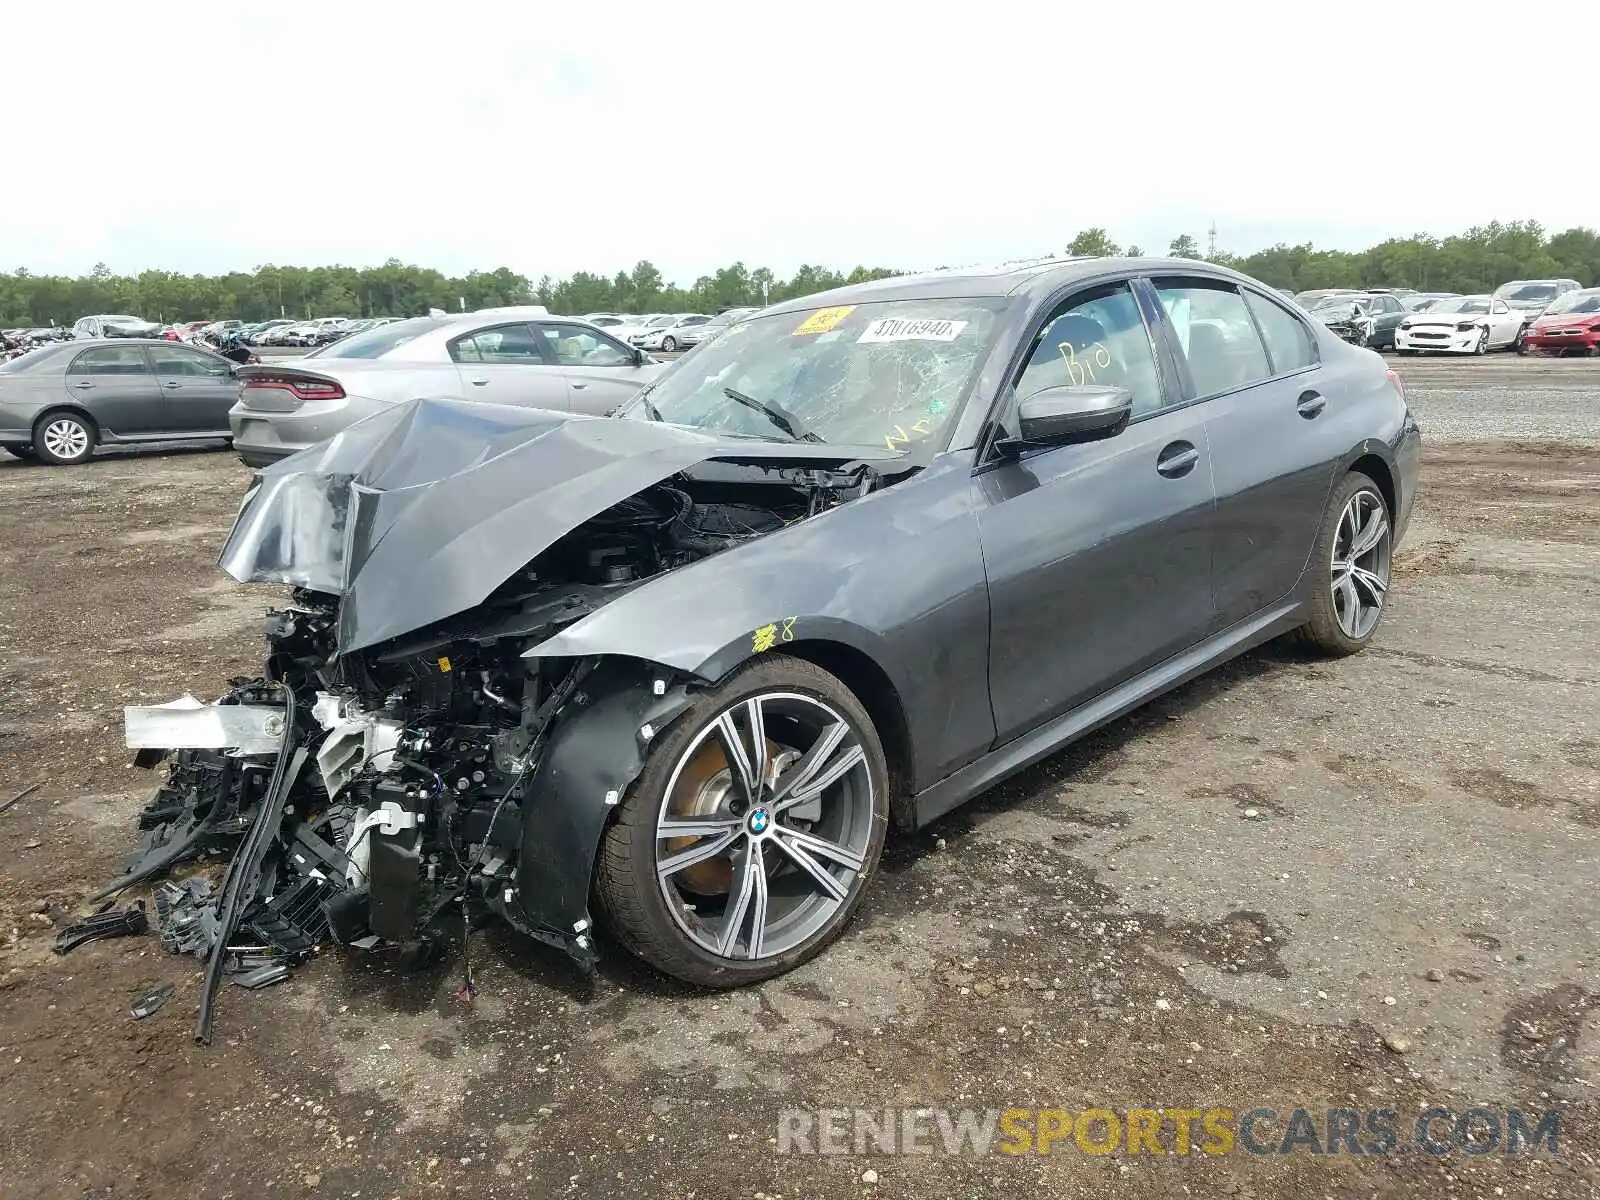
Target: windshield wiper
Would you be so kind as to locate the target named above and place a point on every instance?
(780, 417)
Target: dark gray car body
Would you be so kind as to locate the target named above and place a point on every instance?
(986, 609)
(133, 389)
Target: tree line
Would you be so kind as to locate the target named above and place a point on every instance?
(1474, 261)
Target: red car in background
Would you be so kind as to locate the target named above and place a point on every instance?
(1571, 324)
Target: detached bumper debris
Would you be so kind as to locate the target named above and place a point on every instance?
(229, 778)
(124, 922)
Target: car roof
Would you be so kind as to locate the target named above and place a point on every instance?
(1034, 279)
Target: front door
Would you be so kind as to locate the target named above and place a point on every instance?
(507, 364)
(1098, 554)
(197, 389)
(601, 372)
(114, 384)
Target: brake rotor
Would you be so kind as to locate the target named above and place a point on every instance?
(703, 789)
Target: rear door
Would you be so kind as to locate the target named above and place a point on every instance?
(508, 364)
(116, 386)
(197, 389)
(1256, 365)
(601, 372)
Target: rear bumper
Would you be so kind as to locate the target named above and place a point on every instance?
(262, 436)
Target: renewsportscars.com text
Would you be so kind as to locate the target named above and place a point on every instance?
(1166, 1131)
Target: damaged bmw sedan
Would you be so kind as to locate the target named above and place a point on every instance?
(841, 569)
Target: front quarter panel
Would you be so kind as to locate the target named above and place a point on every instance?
(897, 575)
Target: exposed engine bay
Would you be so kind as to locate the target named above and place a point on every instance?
(406, 791)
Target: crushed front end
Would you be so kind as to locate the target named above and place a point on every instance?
(404, 766)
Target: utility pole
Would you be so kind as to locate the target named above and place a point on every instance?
(1211, 243)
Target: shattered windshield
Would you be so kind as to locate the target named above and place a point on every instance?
(889, 373)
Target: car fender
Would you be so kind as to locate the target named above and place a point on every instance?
(667, 621)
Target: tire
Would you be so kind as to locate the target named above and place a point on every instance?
(676, 921)
(1482, 345)
(669, 344)
(63, 438)
(1328, 631)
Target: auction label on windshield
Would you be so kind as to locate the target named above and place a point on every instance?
(825, 319)
(899, 329)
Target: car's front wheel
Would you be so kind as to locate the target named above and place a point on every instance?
(64, 438)
(669, 344)
(745, 845)
(1352, 562)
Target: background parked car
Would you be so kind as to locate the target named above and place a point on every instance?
(650, 325)
(114, 325)
(679, 335)
(520, 356)
(262, 334)
(1571, 325)
(59, 402)
(695, 335)
(1532, 296)
(1467, 325)
(1365, 318)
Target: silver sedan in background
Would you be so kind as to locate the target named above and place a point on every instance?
(678, 334)
(521, 356)
(58, 402)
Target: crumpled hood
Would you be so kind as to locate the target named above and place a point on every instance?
(421, 511)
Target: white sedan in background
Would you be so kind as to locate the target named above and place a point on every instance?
(680, 334)
(1463, 325)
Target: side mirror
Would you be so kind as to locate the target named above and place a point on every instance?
(1059, 416)
(640, 358)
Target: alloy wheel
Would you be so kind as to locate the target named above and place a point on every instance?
(66, 438)
(766, 823)
(1483, 343)
(1360, 567)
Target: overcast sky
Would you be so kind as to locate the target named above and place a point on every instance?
(559, 137)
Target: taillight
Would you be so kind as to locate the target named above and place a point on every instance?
(1399, 384)
(300, 387)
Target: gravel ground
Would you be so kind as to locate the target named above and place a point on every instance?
(1294, 883)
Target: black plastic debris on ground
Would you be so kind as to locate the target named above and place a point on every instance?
(151, 1002)
(107, 923)
(207, 807)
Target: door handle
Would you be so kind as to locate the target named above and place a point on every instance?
(1311, 404)
(83, 383)
(171, 384)
(478, 382)
(1177, 460)
(578, 387)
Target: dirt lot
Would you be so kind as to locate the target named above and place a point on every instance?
(1367, 883)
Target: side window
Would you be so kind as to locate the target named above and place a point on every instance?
(110, 360)
(580, 346)
(174, 360)
(1095, 339)
(1289, 342)
(1215, 334)
(504, 344)
(1500, 307)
